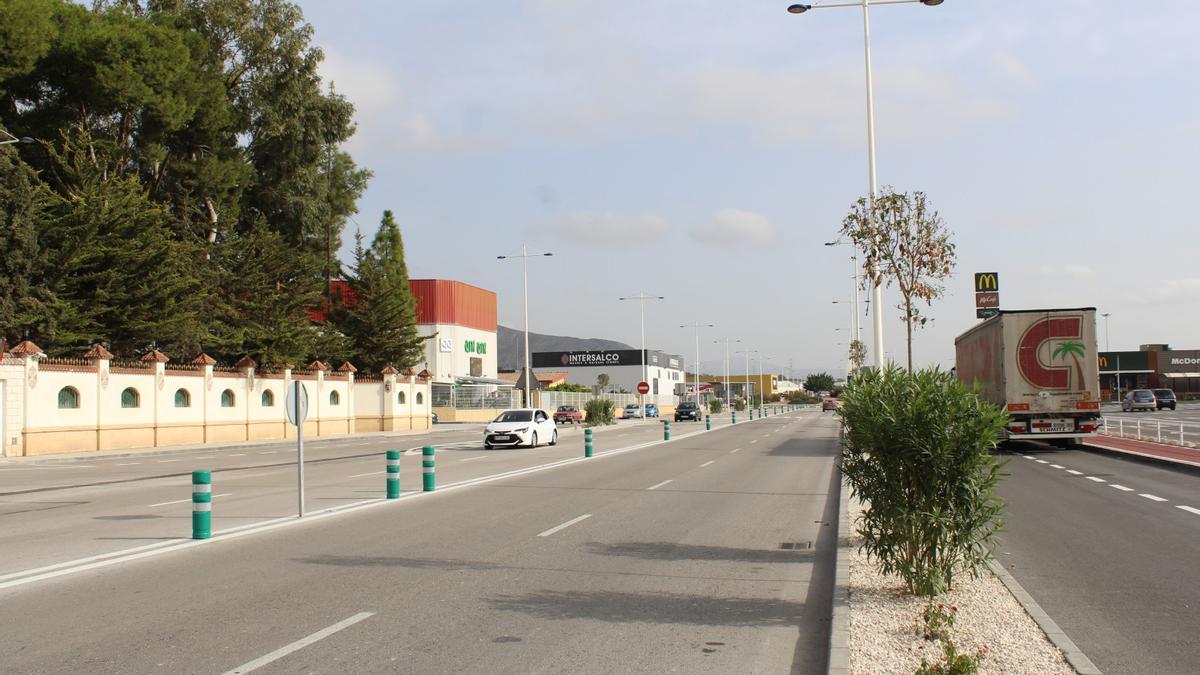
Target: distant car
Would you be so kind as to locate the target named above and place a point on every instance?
(568, 414)
(434, 415)
(651, 410)
(831, 404)
(632, 411)
(1139, 399)
(688, 410)
(520, 426)
(1164, 398)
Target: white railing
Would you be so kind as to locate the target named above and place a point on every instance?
(1186, 434)
(550, 400)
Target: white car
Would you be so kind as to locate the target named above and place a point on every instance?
(633, 411)
(521, 426)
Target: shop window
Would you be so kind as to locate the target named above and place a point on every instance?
(227, 398)
(130, 398)
(334, 398)
(68, 397)
(183, 399)
(268, 399)
(420, 398)
(400, 398)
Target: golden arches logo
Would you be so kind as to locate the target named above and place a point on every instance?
(986, 281)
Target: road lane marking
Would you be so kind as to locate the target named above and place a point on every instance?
(163, 461)
(1098, 480)
(1073, 472)
(565, 525)
(269, 452)
(1041, 461)
(707, 463)
(1122, 488)
(128, 463)
(753, 441)
(735, 450)
(472, 459)
(1027, 457)
(369, 473)
(658, 485)
(1189, 509)
(240, 454)
(1057, 466)
(206, 457)
(1151, 497)
(180, 501)
(299, 644)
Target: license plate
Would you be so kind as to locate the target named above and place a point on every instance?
(1052, 426)
(502, 438)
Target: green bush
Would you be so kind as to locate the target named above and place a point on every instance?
(917, 449)
(714, 406)
(600, 411)
(739, 405)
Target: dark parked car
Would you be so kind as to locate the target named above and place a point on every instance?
(688, 410)
(1139, 399)
(1164, 398)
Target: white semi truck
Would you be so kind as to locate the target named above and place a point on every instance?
(1041, 365)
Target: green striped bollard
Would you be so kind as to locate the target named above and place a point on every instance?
(733, 417)
(427, 475)
(393, 474)
(752, 414)
(587, 442)
(666, 430)
(708, 422)
(201, 504)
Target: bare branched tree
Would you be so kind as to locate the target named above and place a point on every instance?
(906, 244)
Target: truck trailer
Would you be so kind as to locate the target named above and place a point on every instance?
(1041, 365)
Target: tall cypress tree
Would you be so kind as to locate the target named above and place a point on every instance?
(26, 305)
(380, 317)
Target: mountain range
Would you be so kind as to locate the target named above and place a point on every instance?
(510, 342)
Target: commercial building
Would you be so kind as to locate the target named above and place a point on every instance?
(460, 320)
(664, 372)
(1152, 366)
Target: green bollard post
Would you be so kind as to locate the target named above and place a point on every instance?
(427, 475)
(708, 422)
(733, 417)
(752, 414)
(587, 442)
(201, 504)
(393, 474)
(666, 430)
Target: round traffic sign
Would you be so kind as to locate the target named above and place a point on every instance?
(643, 388)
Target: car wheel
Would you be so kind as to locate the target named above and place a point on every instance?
(554, 438)
(533, 441)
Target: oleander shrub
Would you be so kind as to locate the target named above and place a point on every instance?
(600, 411)
(714, 406)
(917, 449)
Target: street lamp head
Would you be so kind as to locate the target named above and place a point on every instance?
(800, 9)
(932, 3)
(547, 254)
(501, 257)
(831, 243)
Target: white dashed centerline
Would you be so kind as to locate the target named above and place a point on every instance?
(369, 473)
(1028, 457)
(658, 485)
(1041, 461)
(753, 441)
(1122, 488)
(1098, 480)
(1057, 466)
(1073, 472)
(1189, 509)
(1151, 497)
(164, 461)
(565, 525)
(128, 463)
(735, 450)
(707, 463)
(299, 644)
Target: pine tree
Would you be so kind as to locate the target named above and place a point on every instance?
(26, 305)
(380, 317)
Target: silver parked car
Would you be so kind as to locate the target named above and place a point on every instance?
(1139, 399)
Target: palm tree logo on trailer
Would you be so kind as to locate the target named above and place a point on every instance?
(1074, 350)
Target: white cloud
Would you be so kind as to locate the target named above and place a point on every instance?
(733, 226)
(1070, 272)
(1166, 292)
(607, 228)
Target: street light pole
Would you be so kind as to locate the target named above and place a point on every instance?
(873, 180)
(1106, 315)
(525, 256)
(642, 298)
(726, 341)
(697, 326)
(14, 139)
(747, 353)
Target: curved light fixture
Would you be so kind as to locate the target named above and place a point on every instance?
(799, 9)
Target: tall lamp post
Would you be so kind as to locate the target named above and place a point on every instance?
(726, 341)
(873, 180)
(1106, 315)
(697, 326)
(525, 255)
(747, 353)
(642, 298)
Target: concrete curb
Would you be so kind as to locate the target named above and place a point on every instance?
(839, 624)
(1075, 656)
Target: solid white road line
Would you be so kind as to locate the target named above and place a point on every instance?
(658, 485)
(1151, 497)
(1189, 509)
(180, 501)
(1073, 472)
(1122, 488)
(299, 644)
(1098, 480)
(565, 525)
(369, 473)
(707, 463)
(1057, 466)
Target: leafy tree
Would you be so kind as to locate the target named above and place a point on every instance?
(858, 354)
(380, 317)
(602, 382)
(567, 386)
(905, 243)
(819, 382)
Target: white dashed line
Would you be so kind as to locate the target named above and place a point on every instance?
(565, 525)
(299, 644)
(1057, 466)
(269, 452)
(658, 485)
(707, 463)
(753, 441)
(735, 450)
(1027, 457)
(1151, 497)
(240, 454)
(1122, 488)
(1098, 480)
(206, 457)
(472, 459)
(1041, 461)
(164, 461)
(1073, 472)
(1189, 509)
(128, 463)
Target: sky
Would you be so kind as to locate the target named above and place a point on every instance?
(705, 150)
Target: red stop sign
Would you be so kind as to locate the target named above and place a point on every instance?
(643, 388)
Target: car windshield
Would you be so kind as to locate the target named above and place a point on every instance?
(566, 408)
(515, 416)
(686, 406)
(1164, 393)
(631, 406)
(1142, 396)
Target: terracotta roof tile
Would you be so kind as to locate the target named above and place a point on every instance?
(246, 362)
(26, 347)
(98, 352)
(155, 356)
(317, 365)
(389, 369)
(204, 360)
(347, 367)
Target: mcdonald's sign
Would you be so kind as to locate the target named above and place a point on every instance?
(987, 281)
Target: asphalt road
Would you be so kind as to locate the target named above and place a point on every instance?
(1109, 547)
(645, 558)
